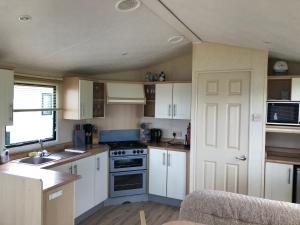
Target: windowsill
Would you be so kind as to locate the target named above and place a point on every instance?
(31, 147)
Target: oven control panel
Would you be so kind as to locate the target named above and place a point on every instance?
(128, 152)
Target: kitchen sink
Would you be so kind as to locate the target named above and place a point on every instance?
(36, 160)
(51, 157)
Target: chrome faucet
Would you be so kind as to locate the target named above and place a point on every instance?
(43, 151)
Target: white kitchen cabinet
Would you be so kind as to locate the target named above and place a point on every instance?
(295, 90)
(182, 101)
(84, 187)
(101, 178)
(158, 172)
(78, 99)
(163, 101)
(167, 173)
(176, 179)
(6, 97)
(86, 99)
(173, 101)
(92, 188)
(279, 182)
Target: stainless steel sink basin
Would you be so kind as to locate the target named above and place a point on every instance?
(36, 160)
(51, 157)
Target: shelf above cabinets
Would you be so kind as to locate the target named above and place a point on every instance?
(283, 129)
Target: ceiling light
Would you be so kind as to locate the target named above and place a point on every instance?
(25, 18)
(127, 5)
(124, 53)
(176, 39)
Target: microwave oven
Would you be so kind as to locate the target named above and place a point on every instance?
(283, 113)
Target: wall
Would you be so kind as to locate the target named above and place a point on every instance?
(216, 57)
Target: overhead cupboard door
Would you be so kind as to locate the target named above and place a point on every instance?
(223, 131)
(164, 101)
(182, 98)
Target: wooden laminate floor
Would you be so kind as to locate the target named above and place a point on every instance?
(128, 214)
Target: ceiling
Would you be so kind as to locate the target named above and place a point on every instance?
(273, 25)
(83, 37)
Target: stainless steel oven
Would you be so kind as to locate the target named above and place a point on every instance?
(128, 183)
(128, 163)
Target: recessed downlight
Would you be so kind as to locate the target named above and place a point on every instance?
(127, 5)
(176, 39)
(25, 18)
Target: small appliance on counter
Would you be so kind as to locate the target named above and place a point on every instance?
(83, 135)
(156, 135)
(4, 156)
(145, 132)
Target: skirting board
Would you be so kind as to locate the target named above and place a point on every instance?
(126, 199)
(165, 200)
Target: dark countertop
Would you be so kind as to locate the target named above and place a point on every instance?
(166, 145)
(283, 155)
(51, 179)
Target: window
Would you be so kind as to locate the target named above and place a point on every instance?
(34, 115)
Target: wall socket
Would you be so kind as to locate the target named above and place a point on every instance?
(178, 133)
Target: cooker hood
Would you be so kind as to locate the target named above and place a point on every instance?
(125, 93)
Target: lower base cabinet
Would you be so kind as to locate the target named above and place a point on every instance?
(92, 188)
(279, 182)
(58, 206)
(167, 173)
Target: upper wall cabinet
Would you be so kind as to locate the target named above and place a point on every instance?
(78, 99)
(173, 101)
(295, 95)
(6, 97)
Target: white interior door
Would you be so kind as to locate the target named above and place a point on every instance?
(158, 172)
(182, 99)
(176, 179)
(223, 131)
(163, 101)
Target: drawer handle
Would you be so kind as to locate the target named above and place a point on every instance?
(289, 179)
(56, 195)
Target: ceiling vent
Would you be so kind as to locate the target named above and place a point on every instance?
(127, 5)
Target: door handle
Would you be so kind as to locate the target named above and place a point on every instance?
(289, 178)
(169, 159)
(164, 159)
(174, 110)
(242, 158)
(71, 170)
(170, 108)
(75, 169)
(98, 164)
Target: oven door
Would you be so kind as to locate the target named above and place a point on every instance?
(128, 163)
(128, 183)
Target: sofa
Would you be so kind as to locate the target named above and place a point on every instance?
(223, 208)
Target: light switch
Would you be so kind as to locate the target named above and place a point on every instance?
(256, 117)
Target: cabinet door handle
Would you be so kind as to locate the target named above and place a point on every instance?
(170, 109)
(169, 159)
(98, 164)
(164, 159)
(71, 170)
(174, 110)
(289, 179)
(75, 169)
(11, 113)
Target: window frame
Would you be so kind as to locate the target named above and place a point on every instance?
(55, 109)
